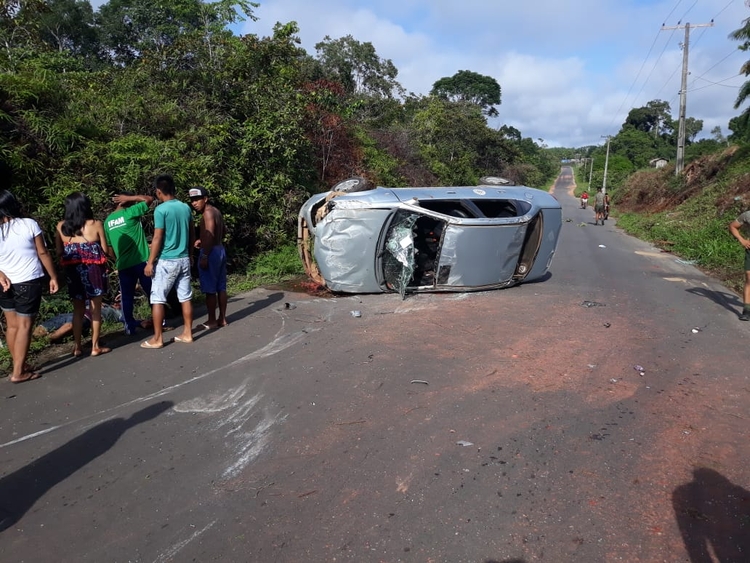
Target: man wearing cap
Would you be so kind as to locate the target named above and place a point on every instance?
(212, 259)
(169, 260)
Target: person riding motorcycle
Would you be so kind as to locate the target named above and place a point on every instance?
(584, 199)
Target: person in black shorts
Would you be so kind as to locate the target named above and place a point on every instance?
(23, 261)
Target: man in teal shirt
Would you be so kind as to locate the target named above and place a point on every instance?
(129, 248)
(169, 260)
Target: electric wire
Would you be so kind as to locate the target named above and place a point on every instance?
(645, 60)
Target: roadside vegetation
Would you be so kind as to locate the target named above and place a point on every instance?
(104, 100)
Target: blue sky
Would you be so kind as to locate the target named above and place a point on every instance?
(569, 71)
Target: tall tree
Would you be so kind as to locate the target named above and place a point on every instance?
(651, 118)
(357, 66)
(471, 87)
(132, 29)
(68, 25)
(743, 35)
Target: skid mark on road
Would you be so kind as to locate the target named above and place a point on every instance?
(232, 412)
(281, 342)
(249, 445)
(213, 403)
(175, 549)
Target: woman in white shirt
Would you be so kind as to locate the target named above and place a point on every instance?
(23, 260)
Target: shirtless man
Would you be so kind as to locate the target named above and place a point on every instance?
(212, 260)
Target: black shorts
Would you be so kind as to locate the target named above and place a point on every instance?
(747, 260)
(23, 298)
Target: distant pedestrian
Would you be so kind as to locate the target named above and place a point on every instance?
(23, 261)
(129, 247)
(169, 260)
(599, 206)
(606, 206)
(212, 259)
(82, 249)
(738, 228)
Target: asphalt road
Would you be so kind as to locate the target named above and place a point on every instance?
(512, 426)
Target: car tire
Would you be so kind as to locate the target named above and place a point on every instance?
(352, 185)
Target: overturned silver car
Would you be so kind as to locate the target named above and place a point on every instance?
(362, 239)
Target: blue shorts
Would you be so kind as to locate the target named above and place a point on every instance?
(169, 274)
(214, 278)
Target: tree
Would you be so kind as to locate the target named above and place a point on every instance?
(718, 135)
(68, 25)
(650, 118)
(357, 67)
(740, 128)
(743, 35)
(471, 87)
(133, 29)
(449, 135)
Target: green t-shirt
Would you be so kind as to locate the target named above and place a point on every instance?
(175, 218)
(125, 235)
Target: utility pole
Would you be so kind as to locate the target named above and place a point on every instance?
(606, 163)
(683, 94)
(591, 171)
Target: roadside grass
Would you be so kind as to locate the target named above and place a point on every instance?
(268, 268)
(696, 231)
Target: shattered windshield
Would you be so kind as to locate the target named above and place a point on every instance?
(399, 258)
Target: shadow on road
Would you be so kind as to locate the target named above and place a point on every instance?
(255, 307)
(730, 301)
(21, 489)
(714, 518)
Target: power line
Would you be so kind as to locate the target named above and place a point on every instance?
(645, 60)
(710, 83)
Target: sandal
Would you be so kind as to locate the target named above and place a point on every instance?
(101, 350)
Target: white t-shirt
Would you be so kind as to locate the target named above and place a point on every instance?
(18, 256)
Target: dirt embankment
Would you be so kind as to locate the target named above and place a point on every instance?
(654, 191)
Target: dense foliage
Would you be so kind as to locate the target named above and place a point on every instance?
(103, 101)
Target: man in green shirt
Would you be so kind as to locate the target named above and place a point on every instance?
(129, 248)
(169, 260)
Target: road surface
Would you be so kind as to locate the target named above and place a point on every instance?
(600, 415)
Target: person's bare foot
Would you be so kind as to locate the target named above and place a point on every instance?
(26, 376)
(100, 350)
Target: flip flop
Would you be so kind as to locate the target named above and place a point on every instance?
(204, 326)
(30, 377)
(102, 350)
(183, 340)
(147, 344)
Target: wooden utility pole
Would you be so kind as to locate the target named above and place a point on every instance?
(683, 94)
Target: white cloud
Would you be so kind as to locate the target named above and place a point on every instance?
(569, 71)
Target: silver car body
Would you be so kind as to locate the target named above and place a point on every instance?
(429, 239)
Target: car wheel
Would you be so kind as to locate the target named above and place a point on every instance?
(351, 185)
